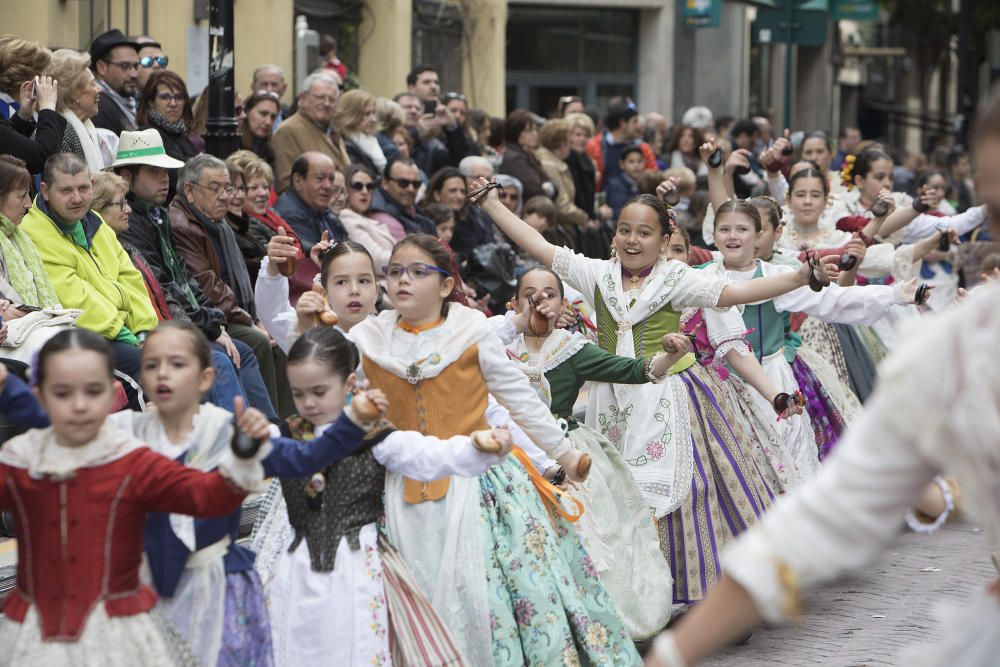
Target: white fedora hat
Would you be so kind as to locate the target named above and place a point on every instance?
(144, 147)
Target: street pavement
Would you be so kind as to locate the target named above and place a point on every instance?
(870, 617)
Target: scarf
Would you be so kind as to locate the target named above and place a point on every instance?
(171, 127)
(81, 138)
(232, 258)
(126, 104)
(24, 267)
(369, 144)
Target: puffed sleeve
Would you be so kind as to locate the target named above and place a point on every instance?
(292, 458)
(426, 458)
(695, 289)
(270, 295)
(580, 272)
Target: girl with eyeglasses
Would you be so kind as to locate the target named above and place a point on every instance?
(506, 575)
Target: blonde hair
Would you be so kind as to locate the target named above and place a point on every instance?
(106, 185)
(349, 113)
(20, 61)
(389, 115)
(576, 120)
(555, 133)
(688, 179)
(249, 166)
(70, 68)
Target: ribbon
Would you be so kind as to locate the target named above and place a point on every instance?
(549, 492)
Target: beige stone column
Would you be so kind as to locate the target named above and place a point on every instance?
(384, 52)
(484, 54)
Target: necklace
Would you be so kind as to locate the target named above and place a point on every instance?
(634, 278)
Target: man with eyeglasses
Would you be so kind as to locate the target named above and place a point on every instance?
(393, 201)
(115, 61)
(309, 128)
(208, 246)
(306, 204)
(151, 60)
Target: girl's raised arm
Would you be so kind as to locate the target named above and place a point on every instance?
(518, 230)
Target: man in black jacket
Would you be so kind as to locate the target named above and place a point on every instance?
(143, 163)
(114, 58)
(393, 200)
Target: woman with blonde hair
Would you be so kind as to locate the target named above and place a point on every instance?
(22, 93)
(354, 117)
(76, 101)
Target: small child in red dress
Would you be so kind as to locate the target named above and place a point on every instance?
(80, 491)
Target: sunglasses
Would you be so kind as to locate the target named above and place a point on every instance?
(148, 61)
(406, 183)
(358, 186)
(448, 97)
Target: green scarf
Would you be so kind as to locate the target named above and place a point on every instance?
(24, 267)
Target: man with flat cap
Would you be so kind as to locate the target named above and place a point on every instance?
(115, 61)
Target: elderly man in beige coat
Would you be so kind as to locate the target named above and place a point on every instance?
(309, 129)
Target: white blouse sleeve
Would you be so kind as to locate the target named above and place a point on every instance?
(503, 327)
(512, 390)
(924, 224)
(878, 261)
(273, 307)
(778, 185)
(694, 288)
(725, 329)
(497, 415)
(426, 458)
(844, 305)
(580, 272)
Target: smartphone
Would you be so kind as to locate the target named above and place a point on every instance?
(430, 106)
(34, 90)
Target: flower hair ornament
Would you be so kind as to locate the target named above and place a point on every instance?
(847, 172)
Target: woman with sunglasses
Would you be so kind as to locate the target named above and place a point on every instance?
(373, 234)
(165, 106)
(260, 110)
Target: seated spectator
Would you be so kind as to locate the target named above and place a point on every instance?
(553, 154)
(512, 194)
(77, 102)
(605, 149)
(111, 203)
(271, 79)
(309, 130)
(87, 265)
(23, 280)
(540, 212)
(389, 118)
(354, 116)
(265, 222)
(682, 150)
(473, 228)
(475, 167)
(393, 202)
(209, 249)
(625, 184)
(23, 92)
(438, 129)
(251, 248)
(255, 130)
(373, 234)
(519, 160)
(306, 204)
(115, 61)
(143, 165)
(338, 200)
(444, 220)
(166, 107)
(152, 59)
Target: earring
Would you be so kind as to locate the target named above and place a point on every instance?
(614, 253)
(510, 304)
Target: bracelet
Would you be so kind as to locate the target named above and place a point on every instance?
(665, 651)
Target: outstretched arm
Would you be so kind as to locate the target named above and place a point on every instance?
(762, 289)
(518, 230)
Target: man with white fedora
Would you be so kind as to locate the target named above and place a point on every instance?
(144, 164)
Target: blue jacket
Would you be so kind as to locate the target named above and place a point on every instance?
(18, 404)
(308, 223)
(620, 188)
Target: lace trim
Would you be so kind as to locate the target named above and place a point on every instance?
(564, 351)
(561, 261)
(918, 526)
(725, 347)
(685, 450)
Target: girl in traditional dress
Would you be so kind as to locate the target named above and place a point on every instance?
(806, 539)
(344, 597)
(688, 454)
(81, 491)
(811, 435)
(208, 587)
(510, 578)
(616, 527)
